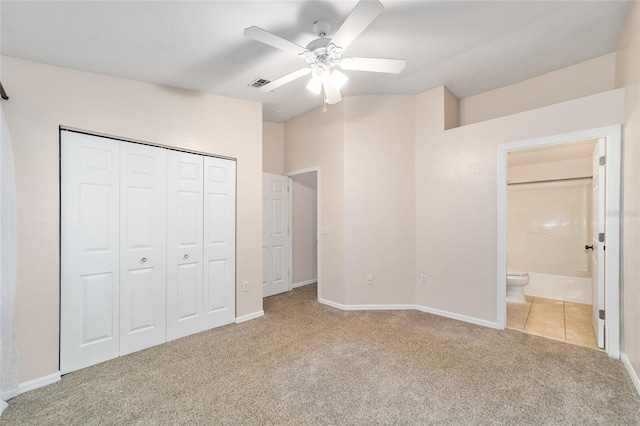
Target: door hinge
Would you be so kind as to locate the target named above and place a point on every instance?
(601, 314)
(601, 237)
(603, 160)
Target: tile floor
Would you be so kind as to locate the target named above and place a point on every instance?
(555, 319)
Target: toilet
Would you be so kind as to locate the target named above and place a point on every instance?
(515, 286)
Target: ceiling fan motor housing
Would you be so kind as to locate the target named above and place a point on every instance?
(322, 50)
(321, 27)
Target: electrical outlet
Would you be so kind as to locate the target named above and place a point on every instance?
(423, 279)
(369, 279)
(245, 286)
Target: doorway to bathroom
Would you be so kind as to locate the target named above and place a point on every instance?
(558, 204)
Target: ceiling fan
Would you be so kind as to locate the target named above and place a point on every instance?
(324, 53)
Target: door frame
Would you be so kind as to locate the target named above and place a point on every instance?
(318, 222)
(613, 136)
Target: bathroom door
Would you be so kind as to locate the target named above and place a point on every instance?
(598, 227)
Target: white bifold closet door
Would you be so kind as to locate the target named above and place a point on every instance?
(90, 251)
(147, 247)
(219, 241)
(185, 307)
(201, 243)
(142, 247)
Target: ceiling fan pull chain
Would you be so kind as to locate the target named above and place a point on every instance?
(324, 99)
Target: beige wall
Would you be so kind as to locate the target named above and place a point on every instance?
(378, 145)
(45, 97)
(379, 199)
(628, 77)
(456, 194)
(317, 140)
(583, 79)
(364, 147)
(451, 110)
(273, 148)
(304, 227)
(565, 169)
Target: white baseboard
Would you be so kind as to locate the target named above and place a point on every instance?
(459, 317)
(366, 307)
(249, 317)
(37, 383)
(631, 371)
(446, 314)
(330, 303)
(7, 395)
(378, 307)
(303, 283)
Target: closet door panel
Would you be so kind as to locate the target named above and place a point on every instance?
(219, 243)
(142, 247)
(184, 244)
(89, 250)
(189, 293)
(216, 299)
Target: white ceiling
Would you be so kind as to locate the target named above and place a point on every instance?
(470, 46)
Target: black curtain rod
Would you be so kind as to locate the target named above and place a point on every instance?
(3, 93)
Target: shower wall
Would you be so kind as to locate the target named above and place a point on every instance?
(549, 224)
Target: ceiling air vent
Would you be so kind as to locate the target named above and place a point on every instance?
(258, 82)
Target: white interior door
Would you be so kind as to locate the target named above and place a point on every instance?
(276, 273)
(142, 247)
(89, 235)
(219, 241)
(598, 228)
(185, 305)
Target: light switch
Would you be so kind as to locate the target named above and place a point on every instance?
(324, 230)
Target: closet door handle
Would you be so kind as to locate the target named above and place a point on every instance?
(588, 247)
(144, 259)
(185, 257)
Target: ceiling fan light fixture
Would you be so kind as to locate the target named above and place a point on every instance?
(315, 85)
(338, 79)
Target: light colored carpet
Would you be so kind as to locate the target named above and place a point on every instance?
(309, 364)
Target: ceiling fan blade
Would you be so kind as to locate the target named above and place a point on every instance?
(270, 87)
(392, 66)
(273, 40)
(331, 92)
(361, 16)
